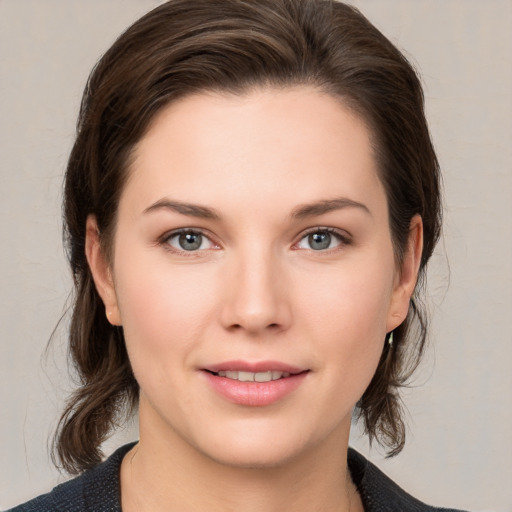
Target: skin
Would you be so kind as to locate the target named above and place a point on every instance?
(256, 290)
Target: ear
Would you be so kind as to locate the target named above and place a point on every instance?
(100, 270)
(406, 278)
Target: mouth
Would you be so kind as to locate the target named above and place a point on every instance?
(254, 384)
(262, 371)
(243, 376)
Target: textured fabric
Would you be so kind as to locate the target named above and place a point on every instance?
(381, 494)
(98, 490)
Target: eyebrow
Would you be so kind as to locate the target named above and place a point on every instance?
(326, 206)
(192, 210)
(300, 212)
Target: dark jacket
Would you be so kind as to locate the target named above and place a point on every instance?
(98, 490)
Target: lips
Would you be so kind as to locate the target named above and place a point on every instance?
(254, 367)
(254, 384)
(253, 376)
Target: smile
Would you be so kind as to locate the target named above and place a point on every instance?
(254, 377)
(254, 384)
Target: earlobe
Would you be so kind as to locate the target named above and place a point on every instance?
(100, 270)
(408, 275)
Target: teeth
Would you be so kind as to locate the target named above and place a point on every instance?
(253, 377)
(246, 376)
(263, 377)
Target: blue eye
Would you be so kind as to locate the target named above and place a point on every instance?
(189, 241)
(320, 240)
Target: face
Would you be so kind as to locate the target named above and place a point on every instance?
(253, 274)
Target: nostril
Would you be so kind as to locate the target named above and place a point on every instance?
(238, 327)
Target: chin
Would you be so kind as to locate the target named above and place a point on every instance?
(259, 445)
(254, 456)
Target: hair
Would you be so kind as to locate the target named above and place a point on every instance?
(183, 47)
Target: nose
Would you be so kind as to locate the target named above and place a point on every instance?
(256, 296)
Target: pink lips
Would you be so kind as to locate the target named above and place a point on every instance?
(254, 393)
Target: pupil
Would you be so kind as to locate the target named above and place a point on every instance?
(319, 241)
(190, 241)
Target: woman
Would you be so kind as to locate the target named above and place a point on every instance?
(250, 201)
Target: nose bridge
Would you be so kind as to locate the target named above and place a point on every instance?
(256, 299)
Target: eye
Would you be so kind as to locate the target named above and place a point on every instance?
(322, 239)
(189, 241)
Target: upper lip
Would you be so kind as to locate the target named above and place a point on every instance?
(254, 367)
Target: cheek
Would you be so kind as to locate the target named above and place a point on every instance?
(163, 308)
(353, 299)
(346, 312)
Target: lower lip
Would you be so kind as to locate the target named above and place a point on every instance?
(254, 393)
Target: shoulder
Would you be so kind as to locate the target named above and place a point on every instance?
(379, 493)
(96, 490)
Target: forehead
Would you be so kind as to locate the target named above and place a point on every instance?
(255, 146)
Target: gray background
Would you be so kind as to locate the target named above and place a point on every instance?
(459, 450)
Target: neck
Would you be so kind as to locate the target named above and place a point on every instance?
(167, 474)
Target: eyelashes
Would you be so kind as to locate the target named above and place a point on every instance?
(322, 239)
(189, 240)
(195, 241)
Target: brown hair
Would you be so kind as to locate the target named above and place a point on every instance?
(186, 46)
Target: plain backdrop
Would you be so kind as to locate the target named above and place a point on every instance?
(459, 449)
